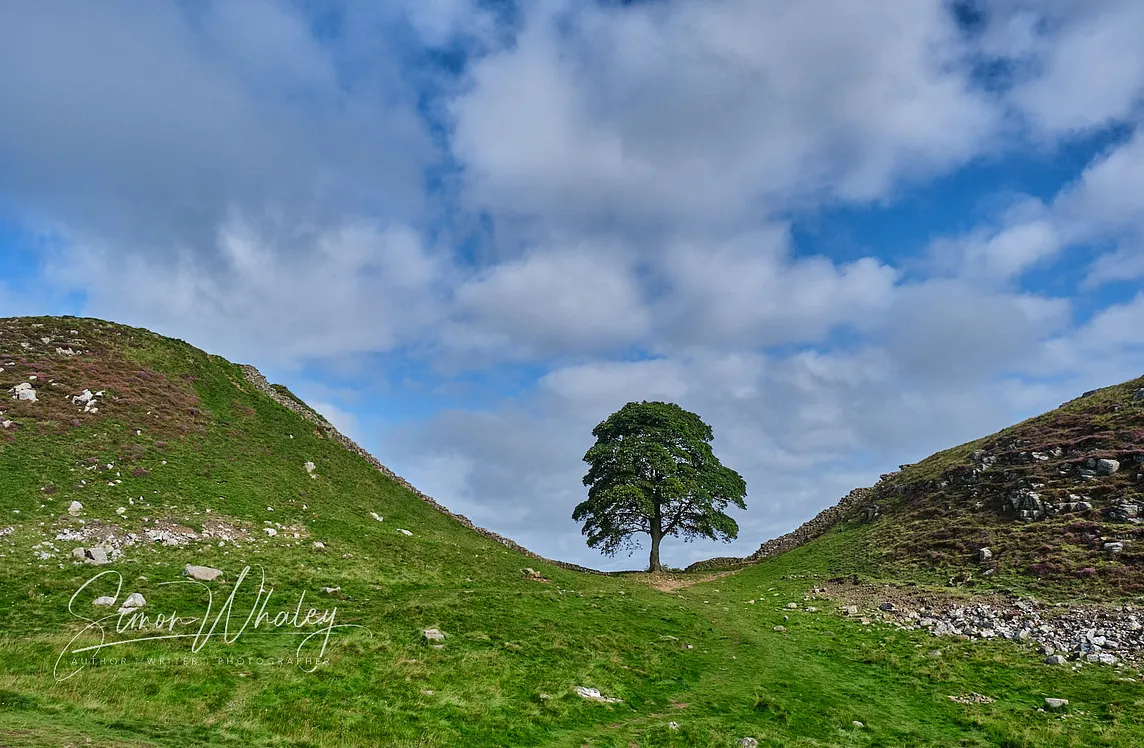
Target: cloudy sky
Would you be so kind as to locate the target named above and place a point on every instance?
(846, 234)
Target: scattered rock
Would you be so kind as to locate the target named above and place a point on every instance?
(1093, 633)
(319, 545)
(1113, 547)
(434, 635)
(405, 532)
(331, 590)
(850, 610)
(595, 695)
(748, 743)
(23, 391)
(673, 725)
(270, 531)
(780, 628)
(1051, 703)
(375, 516)
(1055, 660)
(104, 601)
(133, 602)
(1124, 511)
(858, 724)
(202, 573)
(1107, 467)
(972, 698)
(984, 554)
(75, 508)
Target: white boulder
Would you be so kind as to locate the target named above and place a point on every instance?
(24, 391)
(201, 573)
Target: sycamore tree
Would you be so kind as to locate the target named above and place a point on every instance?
(652, 472)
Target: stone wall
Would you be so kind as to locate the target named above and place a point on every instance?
(804, 533)
(255, 378)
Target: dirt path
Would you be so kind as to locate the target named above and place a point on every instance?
(665, 582)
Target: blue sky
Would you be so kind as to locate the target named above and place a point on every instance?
(847, 235)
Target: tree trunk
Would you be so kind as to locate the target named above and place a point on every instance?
(656, 533)
(653, 563)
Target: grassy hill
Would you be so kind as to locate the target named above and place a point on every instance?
(178, 457)
(1055, 502)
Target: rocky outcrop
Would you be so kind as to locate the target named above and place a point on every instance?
(255, 378)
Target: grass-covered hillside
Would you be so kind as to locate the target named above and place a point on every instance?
(1056, 501)
(126, 456)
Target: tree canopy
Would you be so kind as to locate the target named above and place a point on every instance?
(652, 471)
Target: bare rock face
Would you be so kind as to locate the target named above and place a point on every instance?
(1124, 511)
(202, 573)
(24, 391)
(1107, 467)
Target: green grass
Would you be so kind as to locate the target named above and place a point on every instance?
(510, 639)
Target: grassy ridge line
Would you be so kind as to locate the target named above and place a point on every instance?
(255, 377)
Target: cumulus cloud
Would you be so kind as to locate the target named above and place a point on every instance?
(1027, 236)
(1086, 58)
(560, 299)
(711, 111)
(749, 292)
(333, 291)
(139, 121)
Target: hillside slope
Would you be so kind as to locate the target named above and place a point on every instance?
(1056, 502)
(349, 610)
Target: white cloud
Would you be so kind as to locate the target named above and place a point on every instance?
(1089, 63)
(558, 299)
(714, 111)
(1027, 237)
(269, 292)
(145, 123)
(749, 292)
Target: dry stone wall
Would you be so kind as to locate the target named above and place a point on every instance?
(255, 378)
(858, 499)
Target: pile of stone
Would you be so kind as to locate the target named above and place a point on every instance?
(1106, 636)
